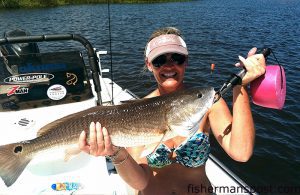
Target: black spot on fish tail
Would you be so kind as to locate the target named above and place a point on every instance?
(12, 162)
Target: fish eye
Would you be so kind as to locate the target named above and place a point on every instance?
(199, 95)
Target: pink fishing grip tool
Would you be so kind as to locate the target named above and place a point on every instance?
(269, 90)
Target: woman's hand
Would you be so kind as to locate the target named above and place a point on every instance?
(255, 64)
(99, 143)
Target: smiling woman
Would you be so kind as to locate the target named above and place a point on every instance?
(52, 3)
(173, 165)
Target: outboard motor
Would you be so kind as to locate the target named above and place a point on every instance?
(18, 48)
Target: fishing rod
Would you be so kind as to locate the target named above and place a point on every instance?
(110, 51)
(265, 90)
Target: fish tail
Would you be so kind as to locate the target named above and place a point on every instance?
(12, 162)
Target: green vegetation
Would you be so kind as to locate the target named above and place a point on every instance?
(53, 3)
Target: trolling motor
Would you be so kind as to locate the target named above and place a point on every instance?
(18, 48)
(269, 90)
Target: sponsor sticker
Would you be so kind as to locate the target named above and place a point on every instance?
(29, 78)
(56, 92)
(14, 89)
(18, 90)
(72, 78)
(41, 68)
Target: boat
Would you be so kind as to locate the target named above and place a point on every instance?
(40, 87)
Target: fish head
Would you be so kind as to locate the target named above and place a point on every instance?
(187, 109)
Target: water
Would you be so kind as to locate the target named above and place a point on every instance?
(215, 32)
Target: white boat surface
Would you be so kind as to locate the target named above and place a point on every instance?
(85, 174)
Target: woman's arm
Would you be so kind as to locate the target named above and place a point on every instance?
(134, 174)
(236, 132)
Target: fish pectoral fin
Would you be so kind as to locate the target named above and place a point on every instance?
(71, 153)
(149, 149)
(185, 130)
(152, 147)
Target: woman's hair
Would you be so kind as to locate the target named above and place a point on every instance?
(163, 31)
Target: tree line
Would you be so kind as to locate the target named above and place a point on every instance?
(52, 3)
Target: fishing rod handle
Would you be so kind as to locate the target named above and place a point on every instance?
(266, 52)
(236, 79)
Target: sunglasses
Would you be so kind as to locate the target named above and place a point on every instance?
(159, 61)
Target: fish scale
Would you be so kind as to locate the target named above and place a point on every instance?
(135, 123)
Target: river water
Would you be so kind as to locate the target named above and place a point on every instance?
(215, 32)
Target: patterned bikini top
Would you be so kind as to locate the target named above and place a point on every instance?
(192, 153)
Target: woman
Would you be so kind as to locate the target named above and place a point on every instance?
(171, 168)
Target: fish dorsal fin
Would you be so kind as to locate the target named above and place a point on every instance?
(45, 129)
(48, 127)
(131, 101)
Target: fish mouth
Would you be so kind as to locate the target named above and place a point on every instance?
(169, 74)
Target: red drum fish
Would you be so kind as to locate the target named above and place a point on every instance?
(134, 123)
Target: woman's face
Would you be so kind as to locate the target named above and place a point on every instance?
(168, 70)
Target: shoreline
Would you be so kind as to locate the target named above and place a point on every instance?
(19, 4)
